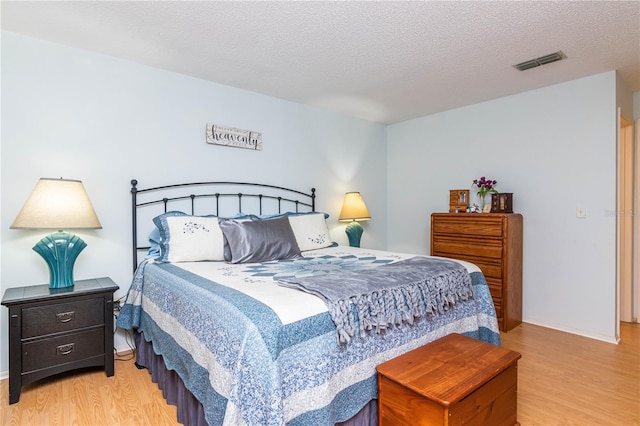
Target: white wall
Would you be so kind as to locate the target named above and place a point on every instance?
(555, 149)
(72, 113)
(76, 114)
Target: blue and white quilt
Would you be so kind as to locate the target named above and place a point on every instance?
(256, 353)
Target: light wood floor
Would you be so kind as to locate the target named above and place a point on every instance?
(563, 379)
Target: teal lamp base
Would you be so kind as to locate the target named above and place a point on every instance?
(60, 251)
(354, 233)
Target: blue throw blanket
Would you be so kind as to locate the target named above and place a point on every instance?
(393, 294)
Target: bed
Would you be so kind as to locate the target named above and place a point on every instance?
(236, 333)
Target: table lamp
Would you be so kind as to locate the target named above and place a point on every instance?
(354, 209)
(58, 204)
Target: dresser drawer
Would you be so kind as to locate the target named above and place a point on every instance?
(43, 320)
(497, 304)
(480, 227)
(495, 287)
(491, 267)
(62, 349)
(457, 247)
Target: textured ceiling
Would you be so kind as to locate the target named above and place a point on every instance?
(380, 61)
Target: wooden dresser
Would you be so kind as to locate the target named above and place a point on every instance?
(493, 241)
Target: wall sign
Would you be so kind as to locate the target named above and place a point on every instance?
(228, 136)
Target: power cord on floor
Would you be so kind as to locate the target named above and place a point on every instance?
(117, 305)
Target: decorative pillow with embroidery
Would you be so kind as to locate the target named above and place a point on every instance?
(310, 230)
(185, 238)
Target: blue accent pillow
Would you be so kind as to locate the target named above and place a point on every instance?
(154, 244)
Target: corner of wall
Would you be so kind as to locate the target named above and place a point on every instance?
(625, 99)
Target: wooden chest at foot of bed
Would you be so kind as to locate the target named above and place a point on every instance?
(454, 380)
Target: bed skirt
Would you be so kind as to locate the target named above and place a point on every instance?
(190, 411)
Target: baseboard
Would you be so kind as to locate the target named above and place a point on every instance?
(124, 351)
(123, 347)
(577, 332)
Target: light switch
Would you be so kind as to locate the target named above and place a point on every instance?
(581, 212)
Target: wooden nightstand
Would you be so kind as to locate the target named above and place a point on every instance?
(57, 330)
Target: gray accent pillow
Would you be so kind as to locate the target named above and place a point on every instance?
(260, 240)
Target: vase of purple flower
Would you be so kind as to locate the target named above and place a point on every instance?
(485, 186)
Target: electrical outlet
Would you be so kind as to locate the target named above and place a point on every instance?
(581, 212)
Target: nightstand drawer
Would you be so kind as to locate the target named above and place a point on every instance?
(43, 320)
(62, 349)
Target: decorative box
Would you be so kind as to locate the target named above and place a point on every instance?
(502, 203)
(458, 200)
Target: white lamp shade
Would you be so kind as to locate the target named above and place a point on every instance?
(57, 204)
(354, 208)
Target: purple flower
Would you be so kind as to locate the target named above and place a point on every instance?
(485, 186)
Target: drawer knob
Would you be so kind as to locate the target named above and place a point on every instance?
(65, 316)
(65, 349)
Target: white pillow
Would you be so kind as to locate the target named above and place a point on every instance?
(191, 239)
(310, 230)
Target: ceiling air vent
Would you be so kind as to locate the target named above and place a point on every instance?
(542, 60)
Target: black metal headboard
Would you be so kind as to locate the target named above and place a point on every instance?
(213, 198)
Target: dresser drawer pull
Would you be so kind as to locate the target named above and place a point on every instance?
(65, 316)
(65, 349)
